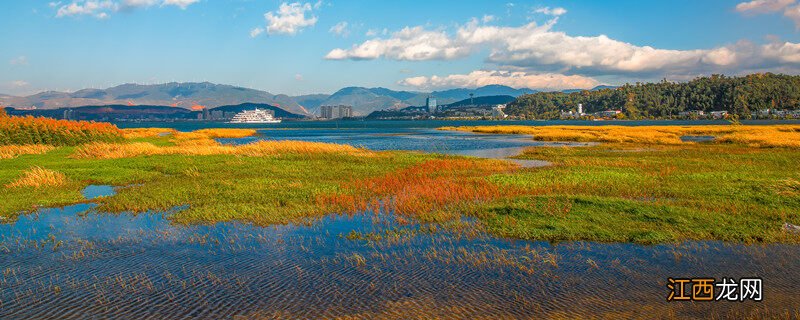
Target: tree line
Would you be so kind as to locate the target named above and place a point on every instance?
(739, 96)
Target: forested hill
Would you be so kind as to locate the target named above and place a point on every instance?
(737, 95)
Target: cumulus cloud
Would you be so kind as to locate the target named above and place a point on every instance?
(763, 6)
(515, 79)
(410, 43)
(793, 13)
(291, 18)
(340, 29)
(539, 47)
(102, 9)
(551, 12)
(788, 7)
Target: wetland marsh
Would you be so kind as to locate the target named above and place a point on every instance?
(325, 223)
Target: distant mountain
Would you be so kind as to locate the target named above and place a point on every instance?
(173, 94)
(367, 100)
(310, 102)
(186, 95)
(482, 101)
(364, 100)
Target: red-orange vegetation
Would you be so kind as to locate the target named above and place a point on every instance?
(432, 186)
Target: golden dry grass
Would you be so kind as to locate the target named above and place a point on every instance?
(12, 151)
(210, 147)
(197, 134)
(226, 133)
(755, 136)
(135, 133)
(38, 177)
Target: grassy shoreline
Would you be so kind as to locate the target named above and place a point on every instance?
(651, 192)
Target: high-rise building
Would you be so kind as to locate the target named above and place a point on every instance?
(430, 103)
(336, 112)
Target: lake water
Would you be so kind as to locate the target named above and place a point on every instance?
(73, 263)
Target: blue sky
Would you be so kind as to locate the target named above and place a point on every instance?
(319, 47)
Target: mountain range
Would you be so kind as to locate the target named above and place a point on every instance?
(193, 95)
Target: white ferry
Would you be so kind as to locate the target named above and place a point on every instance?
(254, 116)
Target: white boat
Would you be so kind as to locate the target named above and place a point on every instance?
(254, 116)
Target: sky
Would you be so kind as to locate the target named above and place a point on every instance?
(321, 46)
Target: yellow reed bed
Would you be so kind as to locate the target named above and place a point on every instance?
(756, 135)
(209, 147)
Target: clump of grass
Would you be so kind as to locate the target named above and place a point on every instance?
(756, 136)
(12, 151)
(39, 177)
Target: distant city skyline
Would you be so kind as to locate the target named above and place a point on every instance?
(319, 47)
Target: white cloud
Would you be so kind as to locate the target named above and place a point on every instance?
(538, 47)
(183, 4)
(298, 77)
(793, 13)
(138, 3)
(487, 18)
(19, 61)
(788, 7)
(19, 83)
(515, 79)
(551, 12)
(102, 9)
(97, 9)
(256, 32)
(291, 18)
(763, 6)
(340, 29)
(407, 44)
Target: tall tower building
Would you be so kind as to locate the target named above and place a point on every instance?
(430, 103)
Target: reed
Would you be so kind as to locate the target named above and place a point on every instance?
(12, 151)
(226, 132)
(39, 130)
(39, 177)
(137, 133)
